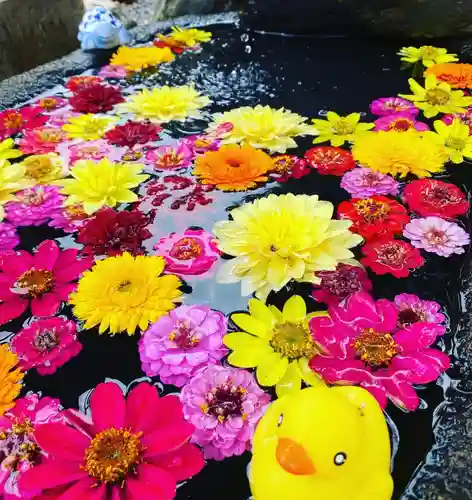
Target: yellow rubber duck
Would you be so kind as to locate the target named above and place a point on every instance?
(322, 444)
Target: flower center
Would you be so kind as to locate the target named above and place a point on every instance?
(234, 162)
(371, 209)
(401, 125)
(283, 164)
(395, 105)
(37, 167)
(170, 160)
(437, 97)
(343, 127)
(35, 282)
(132, 156)
(375, 348)
(124, 286)
(455, 143)
(48, 103)
(49, 135)
(89, 152)
(224, 401)
(13, 120)
(45, 340)
(186, 249)
(440, 196)
(428, 51)
(391, 254)
(293, 341)
(17, 446)
(75, 212)
(113, 454)
(370, 179)
(202, 143)
(407, 317)
(341, 283)
(32, 197)
(183, 335)
(436, 237)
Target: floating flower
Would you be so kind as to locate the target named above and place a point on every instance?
(465, 117)
(411, 309)
(91, 150)
(179, 344)
(336, 286)
(132, 133)
(390, 106)
(389, 256)
(69, 219)
(34, 205)
(44, 169)
(12, 179)
(458, 76)
(374, 217)
(190, 253)
(399, 153)
(164, 104)
(135, 447)
(88, 127)
(225, 405)
(437, 235)
(95, 185)
(364, 183)
(60, 118)
(454, 139)
(362, 346)
(279, 238)
(14, 121)
(116, 72)
(190, 37)
(9, 238)
(76, 83)
(233, 167)
(96, 98)
(433, 197)
(51, 103)
(42, 140)
(11, 378)
(426, 54)
(170, 157)
(167, 41)
(329, 160)
(260, 127)
(139, 58)
(124, 292)
(200, 144)
(285, 167)
(339, 129)
(46, 345)
(8, 151)
(400, 122)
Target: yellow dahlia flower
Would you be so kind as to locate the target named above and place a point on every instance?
(165, 104)
(12, 179)
(139, 58)
(7, 150)
(437, 97)
(278, 343)
(339, 129)
(454, 138)
(44, 169)
(189, 37)
(88, 127)
(399, 153)
(260, 127)
(279, 238)
(10, 377)
(427, 54)
(123, 293)
(98, 184)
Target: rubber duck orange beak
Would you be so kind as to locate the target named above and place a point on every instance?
(293, 457)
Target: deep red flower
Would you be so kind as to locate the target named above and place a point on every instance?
(387, 255)
(374, 217)
(431, 197)
(95, 98)
(78, 82)
(289, 167)
(13, 121)
(111, 233)
(132, 133)
(175, 46)
(329, 160)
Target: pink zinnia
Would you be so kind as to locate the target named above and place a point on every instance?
(9, 238)
(44, 279)
(385, 106)
(46, 344)
(400, 122)
(362, 346)
(14, 121)
(89, 150)
(364, 183)
(225, 405)
(42, 140)
(135, 448)
(436, 235)
(51, 103)
(192, 252)
(60, 117)
(70, 218)
(465, 118)
(170, 157)
(200, 144)
(114, 72)
(180, 343)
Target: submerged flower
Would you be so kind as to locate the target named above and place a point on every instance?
(8, 151)
(46, 344)
(190, 253)
(90, 150)
(132, 133)
(279, 238)
(426, 54)
(14, 121)
(9, 238)
(170, 157)
(75, 83)
(44, 169)
(362, 346)
(364, 183)
(454, 139)
(88, 127)
(135, 447)
(42, 140)
(437, 235)
(189, 36)
(411, 309)
(179, 344)
(390, 106)
(400, 122)
(96, 99)
(260, 127)
(458, 76)
(224, 405)
(11, 378)
(339, 129)
(330, 160)
(123, 293)
(12, 179)
(139, 58)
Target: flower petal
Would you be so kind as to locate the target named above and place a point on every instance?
(50, 474)
(167, 438)
(46, 255)
(347, 371)
(45, 305)
(271, 369)
(290, 382)
(86, 488)
(12, 309)
(182, 463)
(151, 483)
(294, 309)
(250, 324)
(142, 406)
(402, 393)
(417, 336)
(108, 406)
(62, 441)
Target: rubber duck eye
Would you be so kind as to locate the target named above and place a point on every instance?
(340, 458)
(280, 420)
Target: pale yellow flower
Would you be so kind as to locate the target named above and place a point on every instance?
(427, 54)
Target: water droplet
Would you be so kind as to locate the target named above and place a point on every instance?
(247, 49)
(322, 112)
(244, 37)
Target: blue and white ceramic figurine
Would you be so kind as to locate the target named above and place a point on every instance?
(100, 29)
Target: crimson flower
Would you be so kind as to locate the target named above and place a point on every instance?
(289, 167)
(13, 121)
(330, 160)
(174, 45)
(77, 82)
(95, 98)
(132, 133)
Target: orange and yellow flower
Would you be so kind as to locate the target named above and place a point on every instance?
(11, 378)
(458, 76)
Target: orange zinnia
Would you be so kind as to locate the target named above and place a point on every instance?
(458, 76)
(10, 377)
(234, 168)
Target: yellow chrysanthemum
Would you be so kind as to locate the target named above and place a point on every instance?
(260, 127)
(44, 169)
(278, 343)
(88, 127)
(189, 37)
(123, 293)
(399, 153)
(98, 184)
(7, 150)
(10, 377)
(437, 97)
(339, 129)
(139, 58)
(454, 138)
(427, 54)
(164, 104)
(280, 238)
(12, 179)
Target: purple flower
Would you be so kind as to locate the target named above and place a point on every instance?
(180, 343)
(385, 106)
(436, 235)
(364, 183)
(224, 405)
(8, 237)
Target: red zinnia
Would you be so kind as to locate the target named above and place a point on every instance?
(387, 255)
(329, 160)
(95, 99)
(78, 82)
(13, 121)
(374, 217)
(431, 197)
(175, 46)
(289, 167)
(132, 133)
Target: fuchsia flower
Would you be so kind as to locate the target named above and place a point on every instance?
(14, 121)
(465, 118)
(385, 106)
(170, 157)
(363, 346)
(192, 252)
(180, 343)
(9, 238)
(199, 144)
(364, 183)
(89, 150)
(44, 279)
(42, 140)
(400, 122)
(70, 218)
(225, 405)
(46, 344)
(135, 449)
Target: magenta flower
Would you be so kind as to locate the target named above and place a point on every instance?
(89, 150)
(400, 122)
(170, 157)
(180, 343)
(436, 235)
(35, 205)
(9, 238)
(362, 346)
(43, 279)
(46, 344)
(364, 183)
(224, 405)
(110, 71)
(69, 218)
(192, 252)
(385, 106)
(200, 144)
(60, 117)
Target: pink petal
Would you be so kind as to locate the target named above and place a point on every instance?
(402, 393)
(12, 309)
(152, 483)
(142, 408)
(71, 271)
(16, 263)
(63, 290)
(166, 439)
(62, 442)
(183, 463)
(86, 489)
(108, 406)
(169, 410)
(46, 304)
(46, 255)
(336, 338)
(417, 336)
(379, 393)
(334, 371)
(420, 367)
(80, 422)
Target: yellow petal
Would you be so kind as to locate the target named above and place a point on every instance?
(250, 324)
(271, 369)
(260, 311)
(308, 375)
(248, 352)
(294, 309)
(290, 382)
